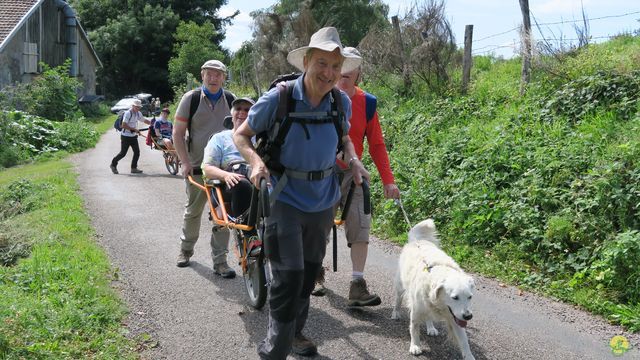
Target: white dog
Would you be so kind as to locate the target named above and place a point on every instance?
(434, 288)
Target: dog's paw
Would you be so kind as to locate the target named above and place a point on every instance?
(432, 331)
(395, 314)
(415, 349)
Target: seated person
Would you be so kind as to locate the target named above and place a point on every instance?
(162, 129)
(222, 161)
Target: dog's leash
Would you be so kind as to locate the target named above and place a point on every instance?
(406, 218)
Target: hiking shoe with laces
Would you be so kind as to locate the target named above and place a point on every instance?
(359, 294)
(224, 270)
(303, 346)
(114, 169)
(183, 258)
(319, 289)
(135, 171)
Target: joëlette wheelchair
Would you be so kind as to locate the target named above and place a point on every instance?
(171, 160)
(247, 232)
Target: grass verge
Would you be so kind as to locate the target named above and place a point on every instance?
(56, 303)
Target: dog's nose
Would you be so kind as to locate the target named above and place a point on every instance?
(467, 317)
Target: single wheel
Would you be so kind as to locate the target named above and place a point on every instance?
(255, 281)
(172, 163)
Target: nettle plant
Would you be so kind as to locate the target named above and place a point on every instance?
(609, 91)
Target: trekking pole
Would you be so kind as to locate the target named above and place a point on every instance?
(406, 218)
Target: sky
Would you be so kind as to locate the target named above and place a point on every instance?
(494, 22)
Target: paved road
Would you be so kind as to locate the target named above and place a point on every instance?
(190, 313)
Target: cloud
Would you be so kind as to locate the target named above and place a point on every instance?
(240, 29)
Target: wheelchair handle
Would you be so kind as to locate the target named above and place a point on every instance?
(264, 198)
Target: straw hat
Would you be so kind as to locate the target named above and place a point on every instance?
(326, 39)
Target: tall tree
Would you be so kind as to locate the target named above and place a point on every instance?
(193, 46)
(134, 39)
(290, 23)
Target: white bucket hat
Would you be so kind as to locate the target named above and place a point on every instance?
(136, 103)
(326, 39)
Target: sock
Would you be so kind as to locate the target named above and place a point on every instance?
(355, 275)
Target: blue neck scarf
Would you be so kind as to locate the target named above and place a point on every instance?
(212, 97)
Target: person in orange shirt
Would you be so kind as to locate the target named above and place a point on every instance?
(357, 223)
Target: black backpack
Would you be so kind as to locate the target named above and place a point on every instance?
(269, 143)
(193, 107)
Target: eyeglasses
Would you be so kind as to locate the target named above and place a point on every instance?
(246, 109)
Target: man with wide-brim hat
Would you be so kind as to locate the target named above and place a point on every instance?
(129, 137)
(305, 192)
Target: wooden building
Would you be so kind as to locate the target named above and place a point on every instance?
(34, 31)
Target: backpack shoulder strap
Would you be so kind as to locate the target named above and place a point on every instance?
(338, 115)
(286, 105)
(193, 107)
(229, 96)
(195, 102)
(370, 105)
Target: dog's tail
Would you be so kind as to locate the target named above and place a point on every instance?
(425, 230)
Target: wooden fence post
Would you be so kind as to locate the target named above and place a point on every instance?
(405, 66)
(467, 60)
(526, 43)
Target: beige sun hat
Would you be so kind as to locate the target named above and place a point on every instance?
(136, 103)
(326, 39)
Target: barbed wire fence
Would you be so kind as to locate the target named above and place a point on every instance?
(491, 48)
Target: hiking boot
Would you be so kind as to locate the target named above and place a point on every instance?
(224, 270)
(114, 169)
(135, 171)
(303, 346)
(359, 294)
(319, 289)
(183, 258)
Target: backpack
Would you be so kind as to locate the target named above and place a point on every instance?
(118, 123)
(269, 143)
(193, 107)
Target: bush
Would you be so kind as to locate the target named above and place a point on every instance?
(24, 137)
(617, 267)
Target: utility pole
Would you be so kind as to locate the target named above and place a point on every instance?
(526, 46)
(467, 59)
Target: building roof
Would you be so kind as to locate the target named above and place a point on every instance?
(12, 13)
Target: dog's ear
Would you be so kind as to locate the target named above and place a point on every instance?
(435, 292)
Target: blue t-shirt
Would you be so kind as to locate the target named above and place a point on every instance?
(316, 153)
(221, 151)
(165, 128)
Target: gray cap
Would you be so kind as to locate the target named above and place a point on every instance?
(214, 64)
(243, 99)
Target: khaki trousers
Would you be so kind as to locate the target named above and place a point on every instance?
(196, 202)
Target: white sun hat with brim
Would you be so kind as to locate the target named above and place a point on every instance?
(136, 103)
(326, 39)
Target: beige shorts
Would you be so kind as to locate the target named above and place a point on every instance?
(357, 224)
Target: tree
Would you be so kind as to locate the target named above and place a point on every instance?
(135, 51)
(134, 39)
(290, 23)
(193, 46)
